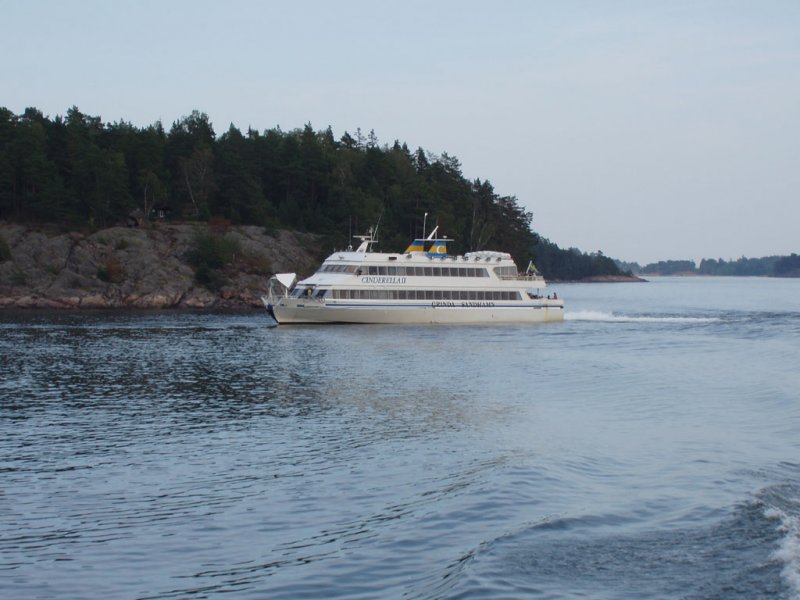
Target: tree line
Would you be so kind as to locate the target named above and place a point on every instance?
(80, 172)
(769, 266)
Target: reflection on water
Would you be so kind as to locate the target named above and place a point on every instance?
(177, 454)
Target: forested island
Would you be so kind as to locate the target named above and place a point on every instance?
(78, 171)
(768, 266)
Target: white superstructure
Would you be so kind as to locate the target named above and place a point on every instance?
(424, 284)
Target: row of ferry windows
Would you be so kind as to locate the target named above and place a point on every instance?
(423, 295)
(409, 271)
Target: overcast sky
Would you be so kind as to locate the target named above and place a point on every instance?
(648, 130)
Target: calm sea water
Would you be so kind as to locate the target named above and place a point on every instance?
(647, 447)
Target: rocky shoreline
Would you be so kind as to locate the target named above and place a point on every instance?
(150, 267)
(142, 267)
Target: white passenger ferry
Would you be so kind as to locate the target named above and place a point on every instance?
(424, 284)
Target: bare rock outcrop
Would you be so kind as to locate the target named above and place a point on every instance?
(148, 267)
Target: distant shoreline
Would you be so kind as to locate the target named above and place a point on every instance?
(601, 279)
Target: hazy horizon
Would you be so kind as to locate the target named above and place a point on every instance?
(649, 132)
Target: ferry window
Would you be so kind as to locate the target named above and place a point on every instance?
(473, 295)
(320, 293)
(437, 294)
(437, 271)
(428, 294)
(401, 295)
(372, 270)
(428, 271)
(505, 271)
(381, 270)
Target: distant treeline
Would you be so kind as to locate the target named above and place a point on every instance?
(81, 172)
(772, 266)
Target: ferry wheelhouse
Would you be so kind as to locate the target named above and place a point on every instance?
(424, 284)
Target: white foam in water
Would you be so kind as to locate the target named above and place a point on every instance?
(595, 315)
(789, 551)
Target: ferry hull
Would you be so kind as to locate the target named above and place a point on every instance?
(287, 311)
